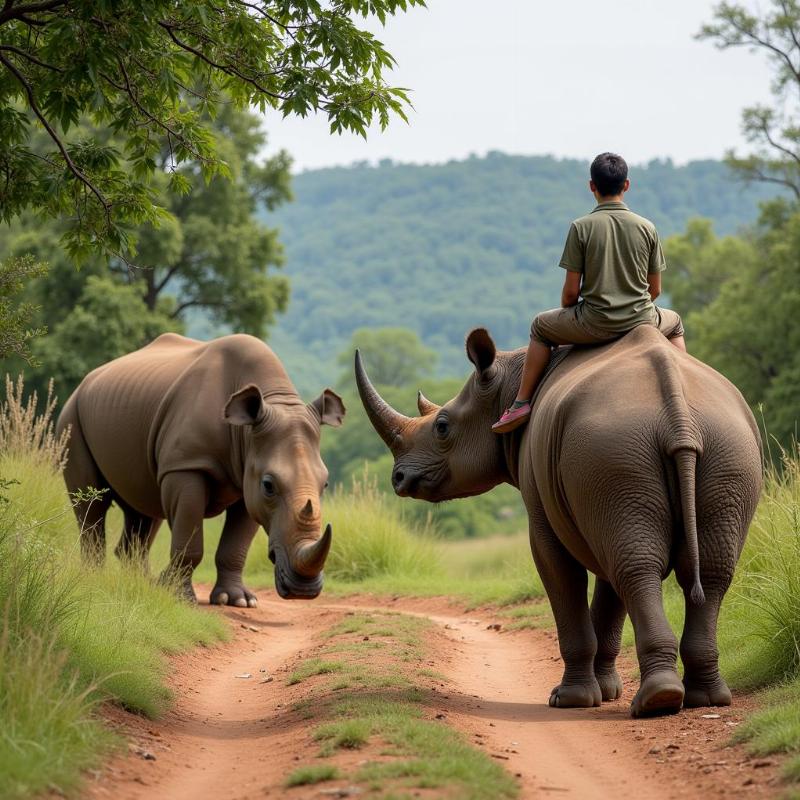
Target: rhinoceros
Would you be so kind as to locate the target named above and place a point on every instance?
(183, 430)
(637, 460)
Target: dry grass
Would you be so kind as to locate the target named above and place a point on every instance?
(27, 433)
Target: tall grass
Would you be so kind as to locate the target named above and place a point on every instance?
(379, 549)
(766, 593)
(70, 637)
(373, 540)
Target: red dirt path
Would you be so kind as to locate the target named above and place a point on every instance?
(235, 737)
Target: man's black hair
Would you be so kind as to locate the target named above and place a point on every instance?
(609, 173)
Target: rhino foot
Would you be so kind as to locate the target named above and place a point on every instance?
(660, 693)
(610, 685)
(698, 696)
(576, 695)
(183, 586)
(233, 594)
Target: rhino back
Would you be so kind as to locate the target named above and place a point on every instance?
(159, 409)
(600, 444)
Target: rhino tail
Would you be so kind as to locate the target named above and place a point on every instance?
(683, 443)
(686, 463)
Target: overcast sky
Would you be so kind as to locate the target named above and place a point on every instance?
(569, 78)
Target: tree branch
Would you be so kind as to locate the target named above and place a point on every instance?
(10, 11)
(228, 69)
(757, 175)
(32, 58)
(189, 303)
(167, 278)
(53, 135)
(765, 44)
(777, 145)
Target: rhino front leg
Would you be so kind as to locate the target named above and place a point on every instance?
(237, 535)
(184, 496)
(565, 582)
(608, 616)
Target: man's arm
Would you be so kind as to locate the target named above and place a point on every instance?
(572, 289)
(654, 284)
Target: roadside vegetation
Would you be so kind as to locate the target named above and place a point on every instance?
(70, 638)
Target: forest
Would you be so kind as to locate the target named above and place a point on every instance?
(441, 249)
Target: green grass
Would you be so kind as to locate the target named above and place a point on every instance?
(315, 773)
(417, 753)
(71, 637)
(314, 666)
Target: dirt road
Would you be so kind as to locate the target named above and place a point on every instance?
(236, 730)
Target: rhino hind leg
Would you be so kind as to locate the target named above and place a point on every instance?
(565, 582)
(83, 478)
(608, 617)
(237, 535)
(661, 689)
(137, 537)
(702, 681)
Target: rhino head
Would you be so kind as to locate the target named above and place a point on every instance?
(449, 451)
(283, 480)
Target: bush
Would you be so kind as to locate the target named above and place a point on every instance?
(69, 637)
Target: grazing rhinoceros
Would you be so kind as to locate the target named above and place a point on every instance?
(183, 430)
(637, 460)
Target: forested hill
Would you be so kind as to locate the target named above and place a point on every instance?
(444, 248)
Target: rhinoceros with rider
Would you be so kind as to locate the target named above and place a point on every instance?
(638, 460)
(183, 430)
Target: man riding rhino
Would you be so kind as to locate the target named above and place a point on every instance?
(637, 460)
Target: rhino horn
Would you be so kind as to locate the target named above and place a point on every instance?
(386, 421)
(424, 405)
(310, 558)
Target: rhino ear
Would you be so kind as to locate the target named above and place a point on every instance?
(329, 408)
(245, 407)
(481, 350)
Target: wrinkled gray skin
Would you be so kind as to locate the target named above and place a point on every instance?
(183, 430)
(637, 460)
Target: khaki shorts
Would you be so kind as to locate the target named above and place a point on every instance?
(568, 326)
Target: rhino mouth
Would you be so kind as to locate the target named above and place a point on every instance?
(290, 585)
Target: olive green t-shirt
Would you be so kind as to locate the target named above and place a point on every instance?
(615, 250)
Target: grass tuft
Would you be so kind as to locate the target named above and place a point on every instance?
(349, 734)
(312, 667)
(315, 773)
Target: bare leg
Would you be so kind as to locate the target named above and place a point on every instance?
(536, 360)
(237, 535)
(679, 342)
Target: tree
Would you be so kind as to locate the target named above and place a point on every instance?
(16, 316)
(108, 320)
(394, 357)
(747, 327)
(774, 131)
(700, 263)
(215, 252)
(153, 73)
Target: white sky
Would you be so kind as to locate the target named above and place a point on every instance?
(568, 78)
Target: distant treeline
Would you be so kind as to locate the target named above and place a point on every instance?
(443, 248)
